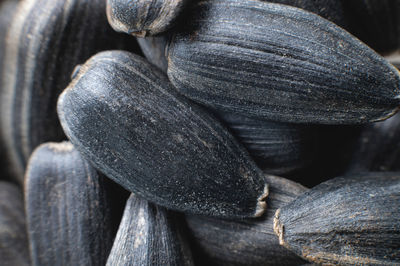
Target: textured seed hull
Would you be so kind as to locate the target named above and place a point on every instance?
(279, 63)
(125, 117)
(68, 212)
(149, 235)
(45, 42)
(250, 241)
(347, 220)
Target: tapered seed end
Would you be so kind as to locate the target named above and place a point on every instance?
(278, 228)
(261, 202)
(390, 114)
(139, 34)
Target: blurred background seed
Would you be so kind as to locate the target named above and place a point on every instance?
(378, 147)
(149, 235)
(67, 207)
(7, 10)
(13, 238)
(45, 40)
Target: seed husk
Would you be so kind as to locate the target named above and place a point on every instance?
(44, 43)
(125, 118)
(249, 241)
(7, 10)
(347, 220)
(378, 147)
(143, 17)
(13, 239)
(68, 213)
(331, 10)
(277, 148)
(149, 235)
(153, 49)
(280, 63)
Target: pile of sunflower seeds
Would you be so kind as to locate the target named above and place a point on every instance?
(203, 132)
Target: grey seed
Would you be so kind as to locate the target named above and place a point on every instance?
(68, 213)
(143, 17)
(375, 22)
(153, 49)
(125, 117)
(350, 220)
(13, 239)
(250, 241)
(149, 235)
(7, 10)
(277, 148)
(378, 147)
(329, 9)
(46, 40)
(280, 63)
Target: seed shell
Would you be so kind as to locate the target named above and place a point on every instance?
(331, 10)
(250, 241)
(125, 117)
(149, 235)
(7, 10)
(378, 147)
(46, 40)
(350, 220)
(143, 17)
(68, 212)
(13, 239)
(280, 63)
(277, 148)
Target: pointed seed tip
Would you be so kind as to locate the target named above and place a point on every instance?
(389, 115)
